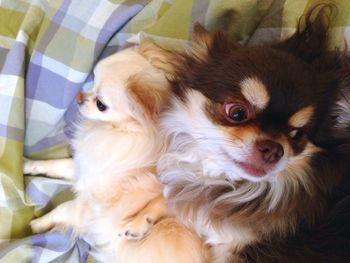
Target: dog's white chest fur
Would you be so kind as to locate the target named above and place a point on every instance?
(186, 167)
(102, 152)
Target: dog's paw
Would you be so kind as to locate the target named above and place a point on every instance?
(31, 167)
(36, 226)
(137, 227)
(41, 224)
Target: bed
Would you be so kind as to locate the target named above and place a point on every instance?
(47, 52)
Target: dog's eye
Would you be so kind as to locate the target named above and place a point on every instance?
(100, 105)
(236, 113)
(296, 134)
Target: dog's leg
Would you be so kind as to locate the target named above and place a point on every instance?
(71, 214)
(137, 226)
(60, 168)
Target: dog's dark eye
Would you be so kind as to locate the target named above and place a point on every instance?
(236, 113)
(100, 105)
(296, 134)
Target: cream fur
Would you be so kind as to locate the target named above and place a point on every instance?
(119, 206)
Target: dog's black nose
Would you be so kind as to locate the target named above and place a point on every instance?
(271, 151)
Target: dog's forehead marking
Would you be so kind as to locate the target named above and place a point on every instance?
(255, 92)
(301, 117)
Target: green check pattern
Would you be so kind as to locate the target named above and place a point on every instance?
(47, 52)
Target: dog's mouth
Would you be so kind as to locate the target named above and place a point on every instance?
(251, 169)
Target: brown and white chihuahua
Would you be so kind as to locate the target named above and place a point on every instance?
(258, 162)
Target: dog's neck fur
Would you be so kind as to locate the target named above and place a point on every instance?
(125, 145)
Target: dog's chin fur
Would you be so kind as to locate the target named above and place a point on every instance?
(240, 215)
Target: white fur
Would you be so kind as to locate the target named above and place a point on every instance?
(342, 110)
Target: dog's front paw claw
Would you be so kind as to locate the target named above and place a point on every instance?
(131, 235)
(136, 227)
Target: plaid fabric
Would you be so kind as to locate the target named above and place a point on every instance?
(47, 51)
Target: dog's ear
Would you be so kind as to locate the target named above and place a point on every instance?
(310, 41)
(160, 58)
(206, 44)
(202, 40)
(147, 95)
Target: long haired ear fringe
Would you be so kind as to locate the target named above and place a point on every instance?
(201, 42)
(163, 59)
(314, 25)
(310, 39)
(206, 44)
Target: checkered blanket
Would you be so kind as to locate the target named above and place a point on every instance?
(47, 52)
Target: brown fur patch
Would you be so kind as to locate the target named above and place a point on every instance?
(301, 118)
(147, 96)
